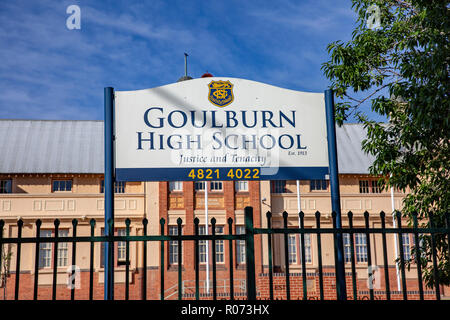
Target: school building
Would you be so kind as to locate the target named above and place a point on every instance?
(54, 169)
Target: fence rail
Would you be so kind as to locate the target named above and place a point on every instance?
(249, 236)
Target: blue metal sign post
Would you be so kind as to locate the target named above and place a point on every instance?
(335, 195)
(109, 192)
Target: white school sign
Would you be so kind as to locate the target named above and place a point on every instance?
(219, 129)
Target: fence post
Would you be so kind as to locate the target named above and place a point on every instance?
(250, 254)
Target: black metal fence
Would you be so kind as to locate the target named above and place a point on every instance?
(249, 237)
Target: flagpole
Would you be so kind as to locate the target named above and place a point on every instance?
(206, 232)
(299, 206)
(395, 237)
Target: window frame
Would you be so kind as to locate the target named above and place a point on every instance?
(7, 187)
(320, 183)
(63, 249)
(202, 245)
(298, 249)
(237, 185)
(240, 245)
(50, 247)
(177, 184)
(408, 254)
(371, 187)
(61, 180)
(364, 187)
(356, 254)
(118, 185)
(117, 262)
(211, 183)
(347, 247)
(199, 183)
(292, 249)
(375, 188)
(361, 246)
(121, 247)
(275, 186)
(220, 243)
(172, 244)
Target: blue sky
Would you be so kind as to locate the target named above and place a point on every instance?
(50, 72)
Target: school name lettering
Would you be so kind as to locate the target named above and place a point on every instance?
(256, 126)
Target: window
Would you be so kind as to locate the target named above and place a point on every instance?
(176, 186)
(199, 185)
(363, 186)
(294, 242)
(318, 185)
(347, 248)
(292, 249)
(63, 250)
(308, 256)
(173, 246)
(5, 186)
(241, 186)
(46, 248)
(202, 245)
(220, 248)
(62, 185)
(216, 186)
(375, 187)
(406, 247)
(119, 186)
(278, 186)
(240, 246)
(369, 186)
(361, 247)
(121, 247)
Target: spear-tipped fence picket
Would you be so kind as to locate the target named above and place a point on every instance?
(248, 237)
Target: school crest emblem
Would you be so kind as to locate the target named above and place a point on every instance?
(220, 93)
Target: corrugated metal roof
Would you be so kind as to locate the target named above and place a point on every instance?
(40, 146)
(351, 159)
(60, 146)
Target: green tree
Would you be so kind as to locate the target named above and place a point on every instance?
(402, 70)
